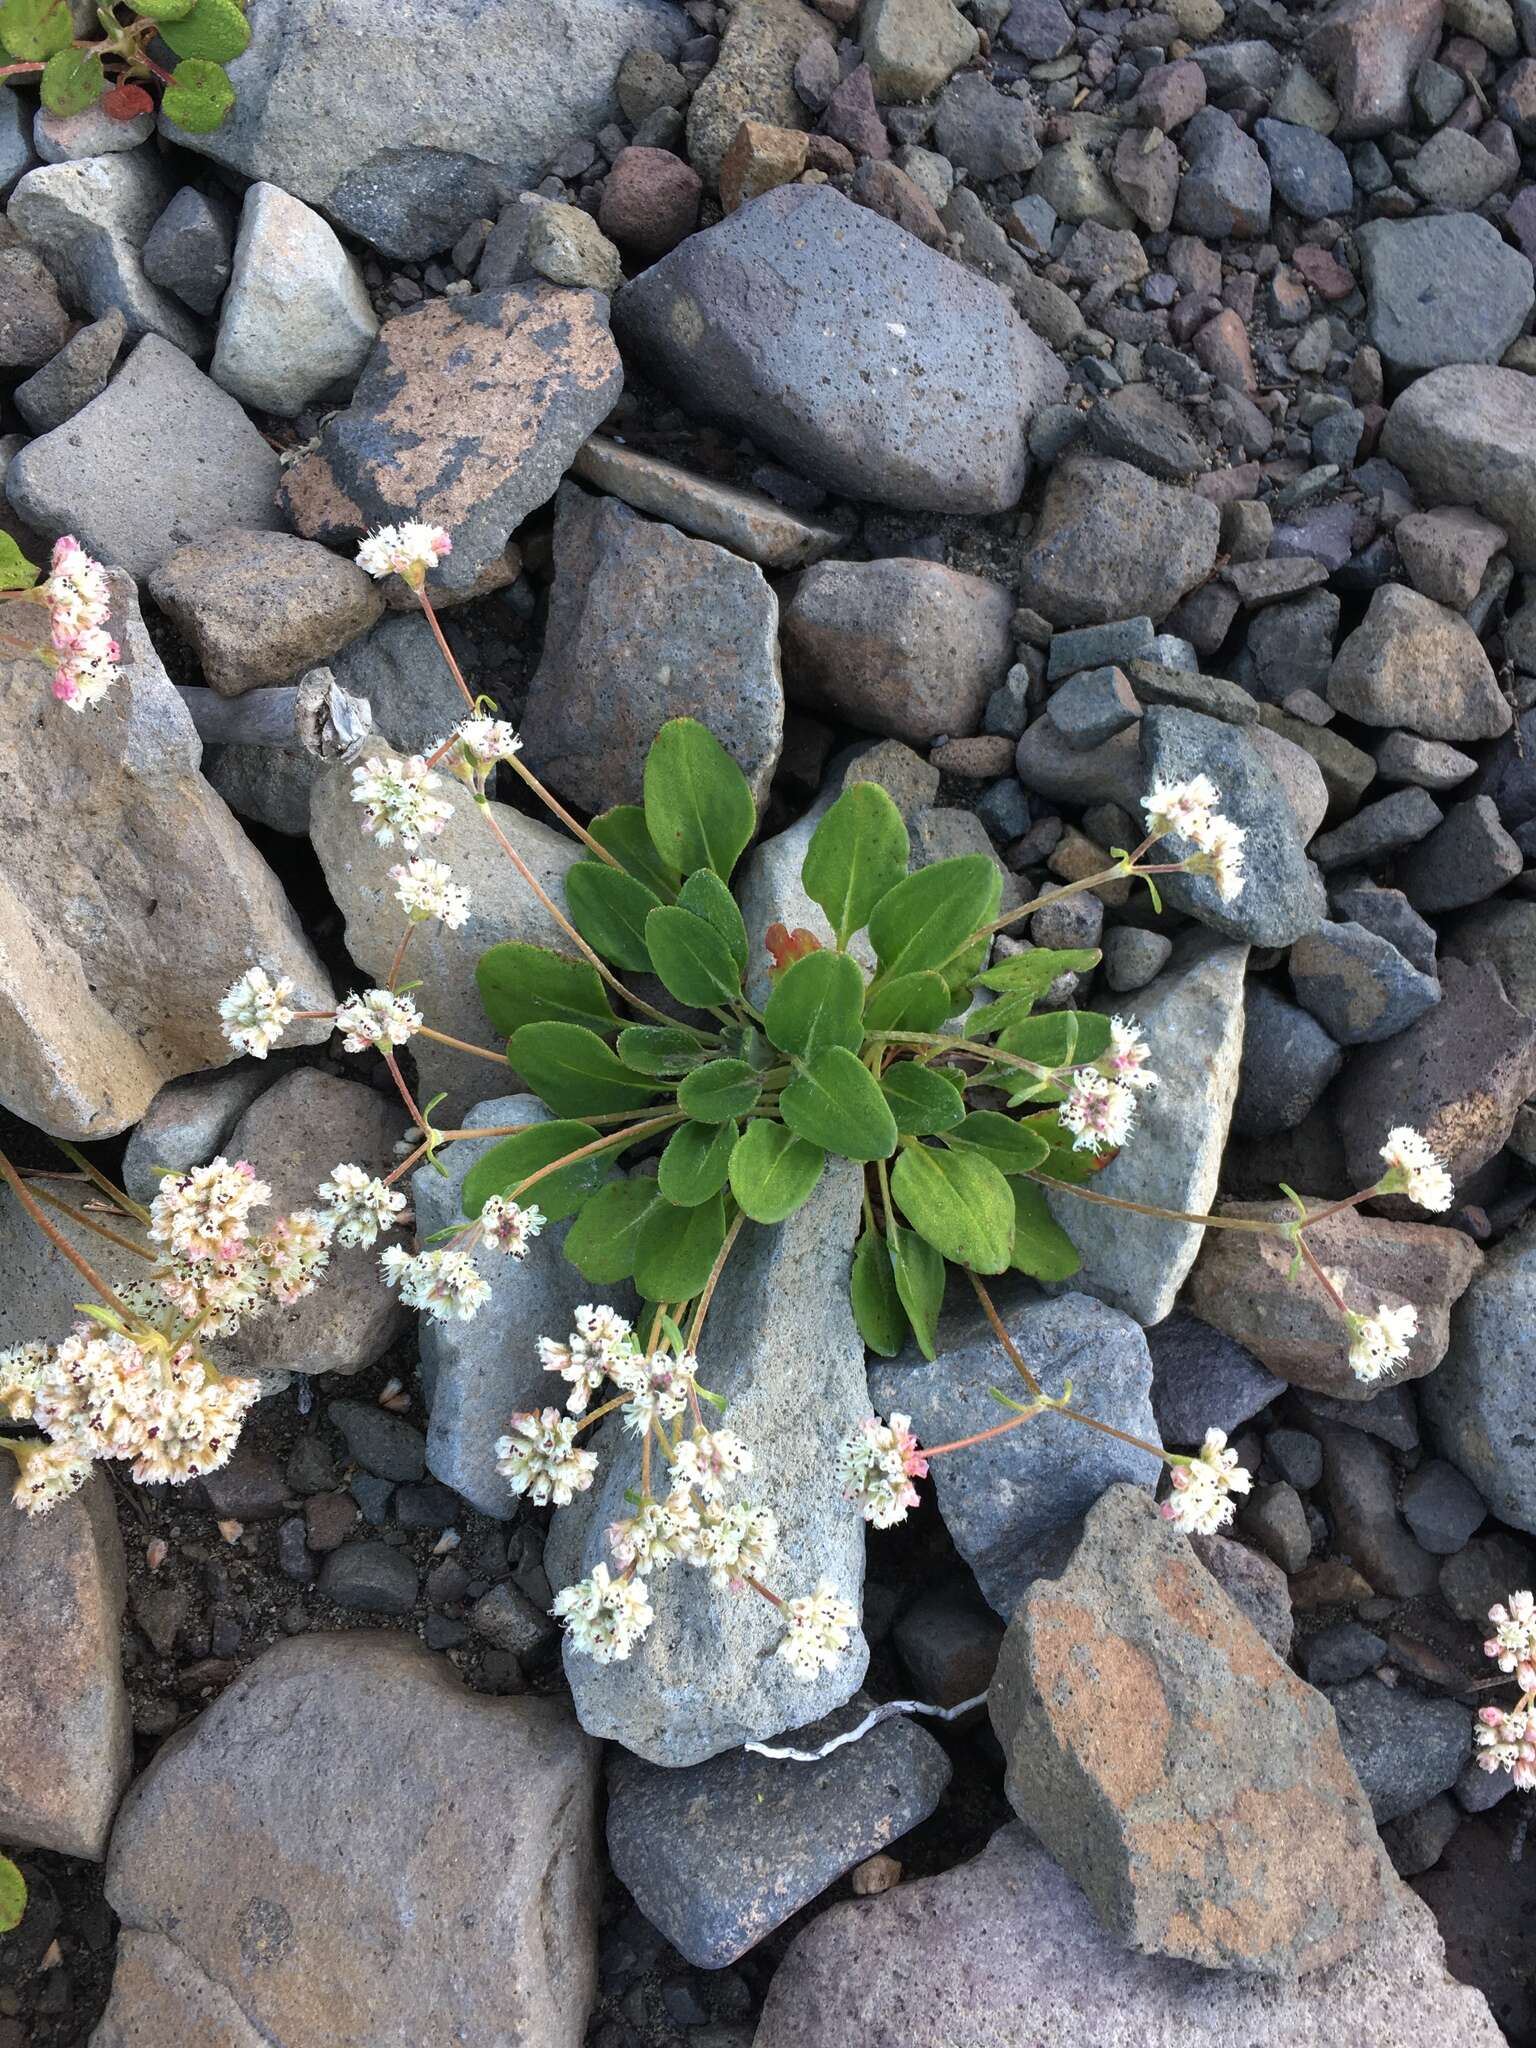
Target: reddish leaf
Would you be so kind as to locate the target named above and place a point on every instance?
(126, 103)
(785, 946)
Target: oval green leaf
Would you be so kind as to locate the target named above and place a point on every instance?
(16, 572)
(13, 1895)
(696, 1163)
(1058, 1038)
(926, 920)
(707, 896)
(603, 1241)
(34, 30)
(720, 1092)
(622, 833)
(215, 30)
(877, 1309)
(198, 96)
(695, 963)
(1063, 1161)
(1041, 1248)
(521, 984)
(834, 1101)
(959, 1202)
(509, 1163)
(677, 1248)
(1010, 1145)
(576, 1072)
(698, 807)
(911, 1002)
(815, 1002)
(923, 1100)
(857, 855)
(668, 1049)
(1032, 973)
(71, 81)
(919, 1275)
(609, 909)
(772, 1171)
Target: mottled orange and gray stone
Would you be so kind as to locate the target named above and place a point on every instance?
(467, 416)
(1241, 1284)
(1187, 1779)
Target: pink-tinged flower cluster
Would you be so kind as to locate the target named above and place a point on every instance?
(79, 605)
(409, 550)
(1201, 1501)
(1506, 1736)
(1098, 1112)
(1512, 1645)
(877, 1466)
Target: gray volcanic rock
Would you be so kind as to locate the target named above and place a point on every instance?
(1480, 1403)
(647, 624)
(1004, 1501)
(1111, 543)
(1466, 435)
(494, 94)
(1443, 289)
(849, 349)
(1005, 1952)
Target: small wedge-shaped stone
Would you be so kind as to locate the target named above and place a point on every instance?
(1187, 1779)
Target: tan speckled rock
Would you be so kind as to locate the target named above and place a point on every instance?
(129, 899)
(1186, 1778)
(467, 415)
(399, 1862)
(66, 1746)
(260, 608)
(752, 78)
(1004, 1952)
(1240, 1284)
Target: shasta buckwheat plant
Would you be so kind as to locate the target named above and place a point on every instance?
(915, 1053)
(115, 68)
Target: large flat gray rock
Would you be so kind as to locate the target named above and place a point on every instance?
(848, 349)
(781, 1347)
(1480, 1403)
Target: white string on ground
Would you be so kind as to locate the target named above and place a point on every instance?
(872, 1719)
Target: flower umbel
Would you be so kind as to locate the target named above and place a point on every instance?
(79, 604)
(1203, 1486)
(605, 1616)
(377, 1017)
(359, 1204)
(1415, 1170)
(1378, 1342)
(877, 1465)
(256, 1011)
(540, 1456)
(1099, 1112)
(445, 1282)
(410, 551)
(820, 1625)
(399, 799)
(425, 888)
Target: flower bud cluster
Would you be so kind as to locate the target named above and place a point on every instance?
(877, 1466)
(84, 654)
(1189, 810)
(1101, 1106)
(1203, 1487)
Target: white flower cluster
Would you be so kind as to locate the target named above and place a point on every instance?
(478, 744)
(1380, 1341)
(1189, 809)
(443, 1281)
(1415, 1170)
(79, 602)
(877, 1466)
(358, 1205)
(1203, 1486)
(377, 1017)
(1512, 1646)
(411, 550)
(1101, 1106)
(425, 888)
(256, 1011)
(400, 800)
(734, 1542)
(509, 1227)
(145, 1393)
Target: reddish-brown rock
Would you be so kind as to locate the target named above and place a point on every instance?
(467, 416)
(650, 201)
(1367, 51)
(1175, 1767)
(1241, 1284)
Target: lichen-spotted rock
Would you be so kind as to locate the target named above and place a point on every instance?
(1175, 1767)
(467, 415)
